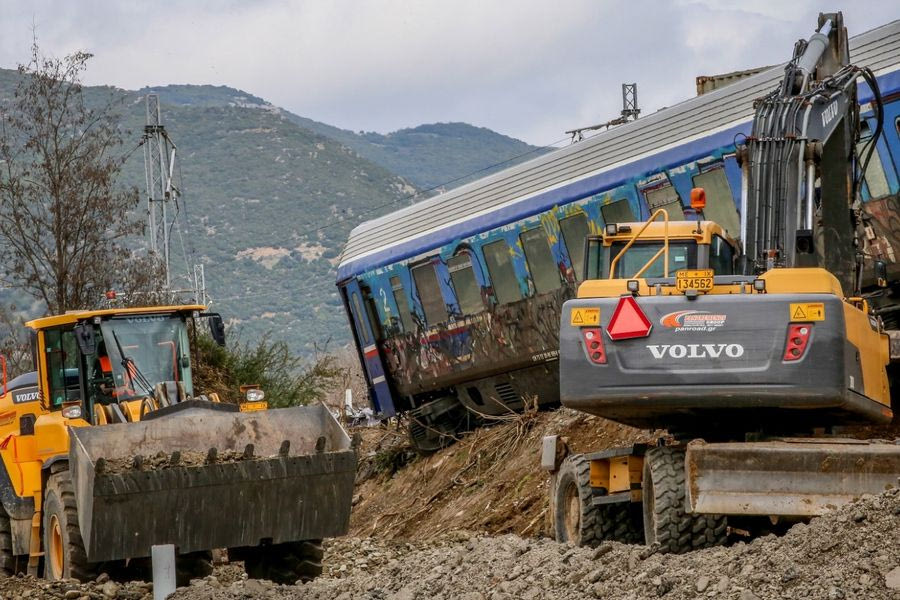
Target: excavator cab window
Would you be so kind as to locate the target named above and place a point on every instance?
(682, 255)
(721, 256)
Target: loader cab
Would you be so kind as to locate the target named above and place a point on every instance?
(691, 245)
(114, 366)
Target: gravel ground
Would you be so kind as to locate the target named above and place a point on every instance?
(851, 553)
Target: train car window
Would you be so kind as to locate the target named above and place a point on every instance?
(503, 274)
(543, 268)
(875, 178)
(721, 256)
(429, 290)
(574, 231)
(617, 212)
(358, 316)
(720, 205)
(402, 305)
(468, 292)
(664, 196)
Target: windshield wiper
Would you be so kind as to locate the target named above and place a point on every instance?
(131, 367)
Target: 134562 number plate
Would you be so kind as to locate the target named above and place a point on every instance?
(698, 279)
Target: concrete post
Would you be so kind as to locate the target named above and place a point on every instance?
(163, 561)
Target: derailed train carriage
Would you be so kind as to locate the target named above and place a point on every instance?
(454, 302)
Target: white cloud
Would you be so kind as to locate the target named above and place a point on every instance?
(527, 68)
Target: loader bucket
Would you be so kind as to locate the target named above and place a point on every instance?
(275, 476)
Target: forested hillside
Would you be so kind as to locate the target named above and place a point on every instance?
(268, 202)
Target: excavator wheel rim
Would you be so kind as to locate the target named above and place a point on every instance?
(57, 554)
(572, 517)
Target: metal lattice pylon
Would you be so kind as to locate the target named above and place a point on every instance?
(159, 164)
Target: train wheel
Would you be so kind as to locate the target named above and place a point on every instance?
(64, 554)
(665, 521)
(285, 563)
(437, 424)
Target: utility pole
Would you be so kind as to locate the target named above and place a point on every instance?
(159, 165)
(630, 112)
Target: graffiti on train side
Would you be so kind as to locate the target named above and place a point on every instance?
(505, 334)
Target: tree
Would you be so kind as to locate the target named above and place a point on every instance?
(64, 219)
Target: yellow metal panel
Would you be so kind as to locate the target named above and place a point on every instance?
(80, 315)
(807, 280)
(600, 474)
(874, 355)
(619, 475)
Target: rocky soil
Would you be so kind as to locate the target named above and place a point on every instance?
(163, 460)
(851, 553)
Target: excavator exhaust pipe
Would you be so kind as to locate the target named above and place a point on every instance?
(205, 476)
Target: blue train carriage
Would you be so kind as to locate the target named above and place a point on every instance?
(454, 302)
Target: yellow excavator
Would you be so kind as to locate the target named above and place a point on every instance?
(754, 356)
(108, 450)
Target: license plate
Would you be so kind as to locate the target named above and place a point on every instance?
(700, 280)
(253, 406)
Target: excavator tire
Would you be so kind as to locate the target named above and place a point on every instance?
(579, 520)
(575, 518)
(7, 558)
(194, 565)
(621, 522)
(665, 521)
(64, 554)
(286, 563)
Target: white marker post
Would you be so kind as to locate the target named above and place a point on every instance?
(163, 561)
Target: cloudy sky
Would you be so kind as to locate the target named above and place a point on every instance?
(526, 68)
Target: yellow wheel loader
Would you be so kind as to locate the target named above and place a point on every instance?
(108, 450)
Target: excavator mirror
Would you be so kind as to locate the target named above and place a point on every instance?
(84, 334)
(698, 199)
(881, 273)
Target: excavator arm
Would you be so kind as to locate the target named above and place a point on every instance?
(800, 165)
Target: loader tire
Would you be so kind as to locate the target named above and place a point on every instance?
(286, 563)
(665, 521)
(7, 558)
(64, 554)
(193, 565)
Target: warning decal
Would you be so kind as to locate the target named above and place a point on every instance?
(807, 311)
(585, 317)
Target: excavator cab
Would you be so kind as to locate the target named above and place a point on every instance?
(691, 245)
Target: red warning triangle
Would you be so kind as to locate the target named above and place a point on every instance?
(628, 321)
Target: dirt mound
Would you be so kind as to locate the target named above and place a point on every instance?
(489, 481)
(853, 552)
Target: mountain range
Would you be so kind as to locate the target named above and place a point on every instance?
(268, 197)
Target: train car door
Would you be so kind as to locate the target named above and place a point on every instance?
(367, 343)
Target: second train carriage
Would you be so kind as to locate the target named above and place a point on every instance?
(454, 302)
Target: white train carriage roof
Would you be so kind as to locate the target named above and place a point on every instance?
(675, 135)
